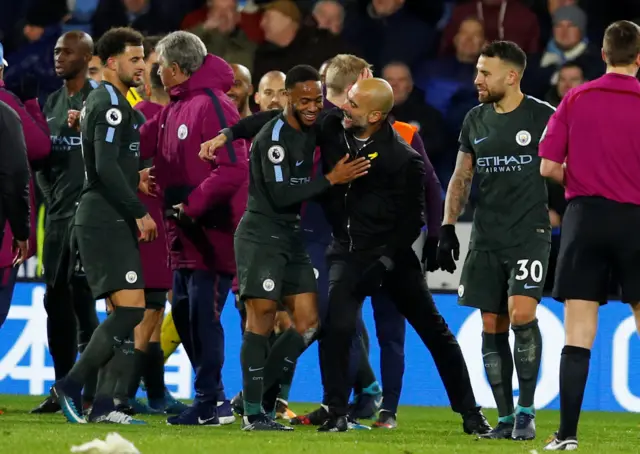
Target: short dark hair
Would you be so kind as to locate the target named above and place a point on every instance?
(114, 42)
(572, 64)
(154, 77)
(507, 51)
(621, 43)
(299, 74)
(149, 44)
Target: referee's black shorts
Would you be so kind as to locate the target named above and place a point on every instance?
(600, 239)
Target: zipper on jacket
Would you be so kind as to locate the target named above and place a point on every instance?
(347, 191)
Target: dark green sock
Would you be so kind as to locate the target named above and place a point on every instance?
(90, 387)
(124, 365)
(285, 382)
(154, 372)
(139, 364)
(107, 335)
(498, 365)
(107, 379)
(284, 355)
(527, 354)
(253, 357)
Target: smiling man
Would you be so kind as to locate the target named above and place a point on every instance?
(273, 265)
(505, 269)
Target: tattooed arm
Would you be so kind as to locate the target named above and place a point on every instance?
(459, 188)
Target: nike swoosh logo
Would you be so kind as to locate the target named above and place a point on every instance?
(299, 163)
(289, 361)
(527, 286)
(135, 126)
(256, 369)
(477, 141)
(526, 349)
(49, 119)
(204, 421)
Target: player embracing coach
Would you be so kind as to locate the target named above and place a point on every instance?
(203, 205)
(592, 146)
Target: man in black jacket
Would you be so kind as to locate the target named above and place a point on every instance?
(375, 221)
(14, 192)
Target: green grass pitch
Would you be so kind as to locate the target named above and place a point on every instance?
(421, 430)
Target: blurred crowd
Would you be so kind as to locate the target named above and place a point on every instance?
(426, 49)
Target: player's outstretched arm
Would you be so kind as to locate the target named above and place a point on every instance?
(459, 188)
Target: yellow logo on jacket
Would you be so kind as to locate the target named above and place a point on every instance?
(373, 155)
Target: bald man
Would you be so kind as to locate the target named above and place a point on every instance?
(61, 179)
(271, 93)
(241, 89)
(375, 221)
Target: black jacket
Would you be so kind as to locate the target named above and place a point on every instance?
(14, 175)
(382, 211)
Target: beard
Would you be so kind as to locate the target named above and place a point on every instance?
(491, 98)
(130, 81)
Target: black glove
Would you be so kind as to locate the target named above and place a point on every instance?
(372, 277)
(430, 254)
(448, 248)
(179, 216)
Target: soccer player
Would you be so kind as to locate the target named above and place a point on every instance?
(591, 147)
(61, 178)
(504, 271)
(109, 222)
(271, 93)
(241, 90)
(273, 265)
(94, 69)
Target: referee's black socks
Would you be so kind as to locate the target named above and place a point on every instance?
(527, 355)
(154, 375)
(574, 369)
(498, 365)
(253, 358)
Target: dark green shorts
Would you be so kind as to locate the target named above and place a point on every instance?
(267, 271)
(110, 258)
(56, 252)
(155, 299)
(489, 278)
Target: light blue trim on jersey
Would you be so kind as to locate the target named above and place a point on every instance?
(540, 101)
(110, 133)
(278, 172)
(112, 94)
(93, 83)
(275, 134)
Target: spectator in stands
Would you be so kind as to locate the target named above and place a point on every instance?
(568, 43)
(386, 31)
(570, 76)
(250, 17)
(289, 43)
(145, 16)
(222, 35)
(410, 107)
(329, 15)
(503, 19)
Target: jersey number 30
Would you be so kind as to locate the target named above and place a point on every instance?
(534, 270)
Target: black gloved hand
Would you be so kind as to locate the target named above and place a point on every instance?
(448, 248)
(430, 254)
(372, 277)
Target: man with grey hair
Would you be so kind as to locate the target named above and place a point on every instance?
(202, 204)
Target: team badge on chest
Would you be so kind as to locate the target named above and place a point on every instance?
(183, 132)
(276, 154)
(523, 138)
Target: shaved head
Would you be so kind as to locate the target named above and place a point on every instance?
(242, 73)
(271, 93)
(270, 77)
(368, 104)
(85, 42)
(72, 54)
(241, 89)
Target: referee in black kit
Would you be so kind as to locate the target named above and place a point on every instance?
(375, 222)
(592, 146)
